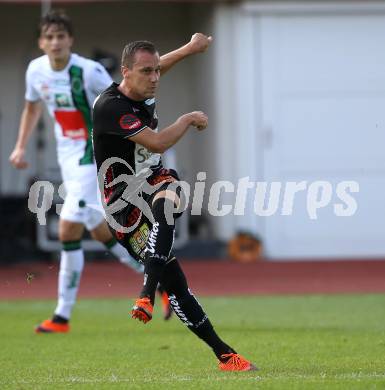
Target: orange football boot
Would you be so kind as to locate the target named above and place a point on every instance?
(142, 310)
(235, 362)
(48, 326)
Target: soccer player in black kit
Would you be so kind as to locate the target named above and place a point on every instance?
(139, 193)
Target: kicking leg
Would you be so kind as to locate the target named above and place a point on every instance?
(191, 313)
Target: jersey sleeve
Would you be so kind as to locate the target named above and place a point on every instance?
(117, 118)
(99, 78)
(31, 94)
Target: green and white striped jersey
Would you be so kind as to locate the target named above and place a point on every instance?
(68, 95)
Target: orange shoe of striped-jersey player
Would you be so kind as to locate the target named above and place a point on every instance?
(142, 310)
(48, 326)
(235, 362)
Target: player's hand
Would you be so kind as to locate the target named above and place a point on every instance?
(199, 43)
(198, 119)
(17, 159)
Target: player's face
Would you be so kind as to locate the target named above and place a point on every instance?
(56, 43)
(143, 77)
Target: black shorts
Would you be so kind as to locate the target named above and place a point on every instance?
(135, 239)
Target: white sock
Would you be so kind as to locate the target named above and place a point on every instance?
(71, 267)
(120, 252)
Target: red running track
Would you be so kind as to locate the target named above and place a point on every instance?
(214, 278)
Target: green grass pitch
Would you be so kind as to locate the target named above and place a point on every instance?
(299, 342)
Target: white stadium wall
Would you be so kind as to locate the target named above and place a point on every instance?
(300, 97)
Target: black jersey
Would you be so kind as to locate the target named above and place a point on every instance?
(116, 118)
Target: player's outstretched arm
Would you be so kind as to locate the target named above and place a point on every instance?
(29, 118)
(198, 44)
(169, 136)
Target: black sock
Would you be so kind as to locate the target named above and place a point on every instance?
(189, 311)
(207, 333)
(158, 247)
(153, 271)
(59, 319)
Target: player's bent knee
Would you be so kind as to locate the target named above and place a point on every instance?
(168, 194)
(70, 231)
(101, 233)
(164, 210)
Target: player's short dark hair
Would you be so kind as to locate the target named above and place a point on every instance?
(57, 17)
(131, 48)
